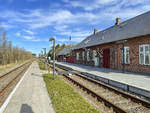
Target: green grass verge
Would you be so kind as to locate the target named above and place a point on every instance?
(64, 98)
(41, 65)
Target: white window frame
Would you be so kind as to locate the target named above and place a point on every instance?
(94, 54)
(77, 56)
(83, 55)
(144, 54)
(88, 55)
(125, 55)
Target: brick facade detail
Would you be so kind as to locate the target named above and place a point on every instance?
(116, 55)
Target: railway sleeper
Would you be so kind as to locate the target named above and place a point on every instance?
(127, 103)
(109, 104)
(127, 100)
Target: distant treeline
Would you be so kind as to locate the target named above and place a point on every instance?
(11, 54)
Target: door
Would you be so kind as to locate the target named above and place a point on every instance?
(106, 58)
(95, 59)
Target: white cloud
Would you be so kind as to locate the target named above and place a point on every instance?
(63, 20)
(61, 27)
(18, 34)
(6, 25)
(33, 39)
(77, 35)
(97, 4)
(39, 18)
(46, 19)
(28, 31)
(66, 40)
(36, 40)
(28, 37)
(90, 5)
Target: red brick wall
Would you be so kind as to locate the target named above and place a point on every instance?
(116, 55)
(134, 65)
(60, 58)
(70, 59)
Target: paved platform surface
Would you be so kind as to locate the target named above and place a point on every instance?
(31, 96)
(136, 80)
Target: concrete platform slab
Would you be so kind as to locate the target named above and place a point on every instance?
(31, 96)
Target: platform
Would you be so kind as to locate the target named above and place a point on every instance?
(31, 96)
(136, 83)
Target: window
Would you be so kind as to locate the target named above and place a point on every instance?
(144, 54)
(126, 55)
(77, 56)
(83, 55)
(94, 54)
(88, 55)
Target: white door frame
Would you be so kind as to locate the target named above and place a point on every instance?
(95, 59)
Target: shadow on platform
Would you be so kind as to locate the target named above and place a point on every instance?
(34, 74)
(25, 108)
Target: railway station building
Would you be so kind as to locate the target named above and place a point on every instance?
(124, 46)
(66, 55)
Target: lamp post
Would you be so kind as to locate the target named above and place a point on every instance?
(53, 39)
(44, 51)
(41, 55)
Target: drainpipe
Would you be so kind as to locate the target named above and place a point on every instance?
(123, 64)
(123, 61)
(85, 54)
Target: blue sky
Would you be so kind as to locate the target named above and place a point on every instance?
(30, 23)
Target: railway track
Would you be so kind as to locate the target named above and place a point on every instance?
(10, 79)
(118, 101)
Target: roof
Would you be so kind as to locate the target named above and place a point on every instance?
(65, 51)
(134, 27)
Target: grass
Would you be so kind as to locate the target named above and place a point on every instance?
(64, 98)
(41, 65)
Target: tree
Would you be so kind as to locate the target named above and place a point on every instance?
(10, 54)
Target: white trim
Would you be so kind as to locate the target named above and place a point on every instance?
(144, 54)
(125, 55)
(141, 53)
(94, 54)
(88, 55)
(83, 55)
(77, 56)
(3, 107)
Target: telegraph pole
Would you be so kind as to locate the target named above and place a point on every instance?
(41, 55)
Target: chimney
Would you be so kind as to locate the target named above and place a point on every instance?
(95, 31)
(117, 21)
